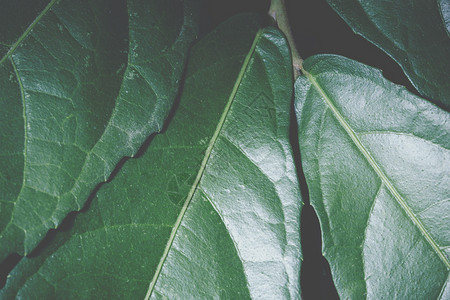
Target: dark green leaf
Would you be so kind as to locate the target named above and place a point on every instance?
(211, 210)
(414, 33)
(73, 103)
(15, 25)
(376, 159)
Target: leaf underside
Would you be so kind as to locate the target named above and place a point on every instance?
(414, 33)
(376, 160)
(211, 209)
(74, 103)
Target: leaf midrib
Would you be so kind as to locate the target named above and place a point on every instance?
(203, 164)
(27, 31)
(378, 169)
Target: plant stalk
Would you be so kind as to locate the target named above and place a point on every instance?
(278, 13)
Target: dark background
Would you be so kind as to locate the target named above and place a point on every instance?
(316, 29)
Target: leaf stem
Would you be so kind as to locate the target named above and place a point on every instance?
(278, 13)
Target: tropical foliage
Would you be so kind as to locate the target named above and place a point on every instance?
(147, 153)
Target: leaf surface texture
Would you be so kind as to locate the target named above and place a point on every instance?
(212, 209)
(79, 90)
(414, 33)
(376, 159)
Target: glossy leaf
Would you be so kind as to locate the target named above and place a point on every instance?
(376, 160)
(73, 103)
(212, 208)
(444, 9)
(414, 33)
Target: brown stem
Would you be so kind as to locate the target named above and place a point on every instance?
(278, 13)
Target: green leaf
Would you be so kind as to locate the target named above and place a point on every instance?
(444, 9)
(18, 20)
(414, 33)
(376, 160)
(211, 209)
(73, 103)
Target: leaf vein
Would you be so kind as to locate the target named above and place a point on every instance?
(27, 31)
(203, 164)
(378, 170)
